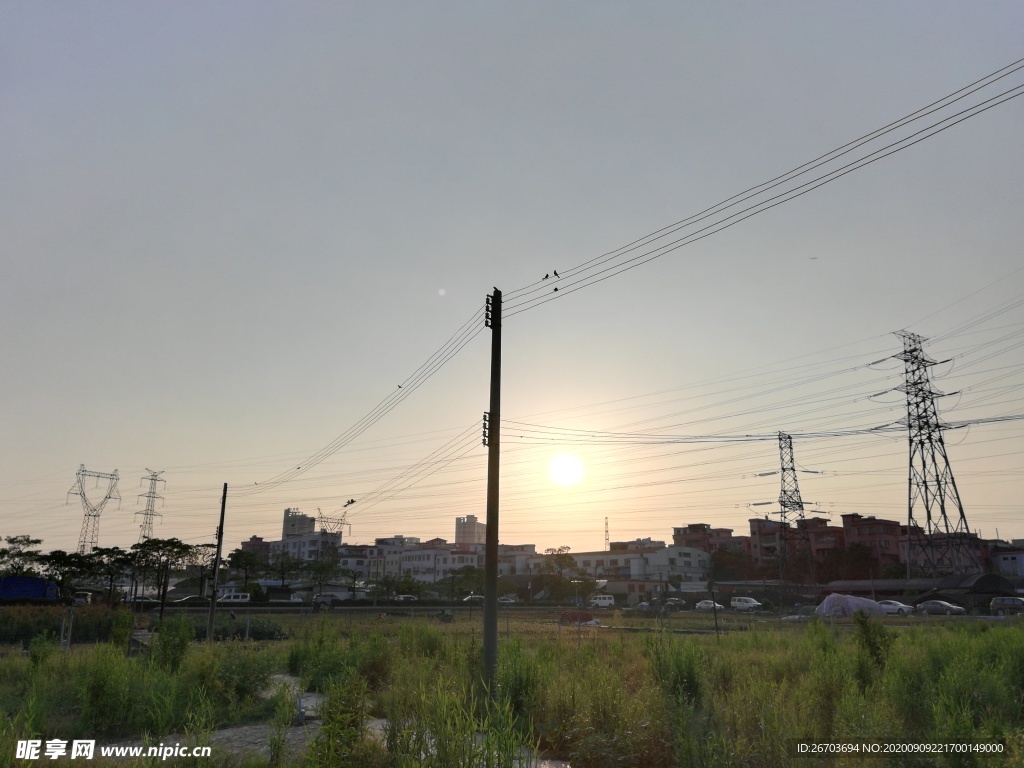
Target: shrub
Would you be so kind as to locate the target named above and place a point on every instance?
(42, 647)
(678, 668)
(121, 629)
(519, 680)
(172, 642)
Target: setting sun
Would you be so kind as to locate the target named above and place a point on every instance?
(565, 469)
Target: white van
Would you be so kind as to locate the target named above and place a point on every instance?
(745, 604)
(602, 601)
(234, 598)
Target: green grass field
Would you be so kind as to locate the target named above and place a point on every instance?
(647, 693)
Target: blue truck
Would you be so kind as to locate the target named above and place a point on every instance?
(28, 589)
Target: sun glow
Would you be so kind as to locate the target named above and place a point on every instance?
(566, 469)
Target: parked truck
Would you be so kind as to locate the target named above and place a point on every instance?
(28, 589)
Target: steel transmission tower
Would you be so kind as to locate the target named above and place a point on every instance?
(150, 511)
(941, 546)
(91, 522)
(791, 511)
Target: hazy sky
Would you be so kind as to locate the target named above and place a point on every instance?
(230, 230)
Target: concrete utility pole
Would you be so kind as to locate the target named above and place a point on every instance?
(492, 439)
(216, 566)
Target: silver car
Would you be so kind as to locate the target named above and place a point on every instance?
(709, 605)
(930, 607)
(896, 608)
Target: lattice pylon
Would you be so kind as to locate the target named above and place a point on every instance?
(942, 545)
(146, 529)
(90, 535)
(791, 511)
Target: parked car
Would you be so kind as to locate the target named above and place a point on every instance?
(235, 598)
(191, 600)
(1006, 606)
(406, 598)
(744, 604)
(930, 607)
(896, 608)
(602, 601)
(709, 605)
(507, 599)
(82, 598)
(675, 604)
(473, 599)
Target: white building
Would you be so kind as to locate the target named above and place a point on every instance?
(470, 531)
(319, 545)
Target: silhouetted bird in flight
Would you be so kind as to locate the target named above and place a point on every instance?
(545, 277)
(556, 273)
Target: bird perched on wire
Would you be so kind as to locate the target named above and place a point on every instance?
(545, 277)
(556, 290)
(556, 273)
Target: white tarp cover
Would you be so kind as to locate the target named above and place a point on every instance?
(844, 606)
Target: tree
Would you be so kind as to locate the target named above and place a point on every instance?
(728, 565)
(559, 574)
(160, 556)
(18, 558)
(320, 571)
(468, 578)
(112, 563)
(507, 587)
(351, 577)
(384, 587)
(201, 558)
(246, 562)
(283, 565)
(65, 567)
(557, 560)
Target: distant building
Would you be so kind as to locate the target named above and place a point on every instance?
(469, 531)
(823, 537)
(882, 537)
(703, 536)
(358, 558)
(388, 560)
(764, 539)
(258, 547)
(297, 524)
(1009, 562)
(316, 545)
(301, 540)
(513, 558)
(637, 545)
